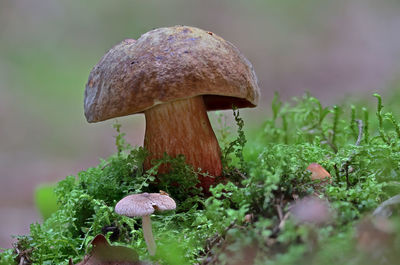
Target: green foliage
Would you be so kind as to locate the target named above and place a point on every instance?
(180, 181)
(247, 216)
(45, 200)
(7, 257)
(234, 149)
(120, 142)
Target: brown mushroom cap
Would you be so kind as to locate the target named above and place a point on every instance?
(318, 172)
(168, 64)
(144, 204)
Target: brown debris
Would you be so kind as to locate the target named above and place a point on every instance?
(23, 254)
(105, 254)
(375, 236)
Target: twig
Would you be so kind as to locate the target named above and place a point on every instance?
(346, 165)
(240, 174)
(347, 175)
(353, 154)
(337, 172)
(279, 210)
(214, 241)
(332, 145)
(279, 206)
(282, 223)
(106, 165)
(326, 140)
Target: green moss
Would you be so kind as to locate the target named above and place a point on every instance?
(266, 172)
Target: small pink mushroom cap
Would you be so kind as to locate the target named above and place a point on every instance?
(143, 204)
(312, 210)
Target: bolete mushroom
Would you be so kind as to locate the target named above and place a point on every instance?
(174, 76)
(143, 205)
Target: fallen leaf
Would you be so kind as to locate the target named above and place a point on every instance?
(104, 254)
(375, 235)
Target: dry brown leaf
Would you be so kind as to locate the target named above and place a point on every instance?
(105, 254)
(375, 235)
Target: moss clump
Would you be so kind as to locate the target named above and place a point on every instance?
(246, 218)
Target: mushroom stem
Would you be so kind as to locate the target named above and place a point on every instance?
(183, 127)
(148, 235)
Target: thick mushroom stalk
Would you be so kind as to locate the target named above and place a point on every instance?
(183, 127)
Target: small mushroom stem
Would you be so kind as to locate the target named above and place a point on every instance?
(183, 127)
(148, 235)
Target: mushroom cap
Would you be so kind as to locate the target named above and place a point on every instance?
(168, 64)
(318, 172)
(144, 204)
(311, 209)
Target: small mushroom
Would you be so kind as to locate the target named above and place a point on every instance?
(174, 76)
(318, 172)
(143, 205)
(312, 210)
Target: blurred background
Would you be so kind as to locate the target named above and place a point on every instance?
(334, 49)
